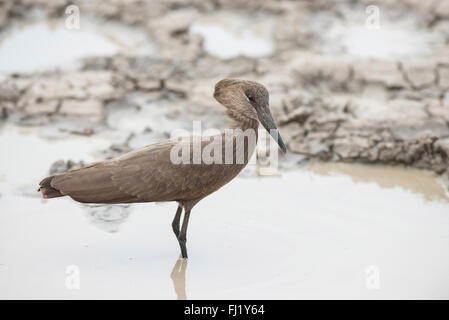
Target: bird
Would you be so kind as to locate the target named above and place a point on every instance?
(154, 173)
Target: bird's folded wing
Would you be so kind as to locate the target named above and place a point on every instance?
(143, 175)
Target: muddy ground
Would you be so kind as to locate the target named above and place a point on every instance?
(336, 95)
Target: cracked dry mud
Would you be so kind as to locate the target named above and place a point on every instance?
(332, 99)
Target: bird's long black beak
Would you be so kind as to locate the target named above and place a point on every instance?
(267, 121)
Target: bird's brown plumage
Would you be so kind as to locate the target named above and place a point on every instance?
(148, 174)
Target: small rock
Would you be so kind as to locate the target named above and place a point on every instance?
(420, 74)
(44, 107)
(149, 84)
(101, 91)
(298, 115)
(91, 109)
(385, 72)
(443, 76)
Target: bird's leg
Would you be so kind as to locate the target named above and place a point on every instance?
(175, 223)
(183, 235)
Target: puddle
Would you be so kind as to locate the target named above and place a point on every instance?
(419, 182)
(20, 143)
(43, 45)
(311, 233)
(228, 34)
(397, 36)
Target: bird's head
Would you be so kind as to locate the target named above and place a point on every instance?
(250, 100)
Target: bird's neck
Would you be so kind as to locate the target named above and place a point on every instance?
(245, 130)
(242, 122)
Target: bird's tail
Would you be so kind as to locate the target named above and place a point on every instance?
(47, 190)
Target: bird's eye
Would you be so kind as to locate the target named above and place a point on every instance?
(250, 97)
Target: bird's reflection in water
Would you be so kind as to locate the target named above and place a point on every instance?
(107, 217)
(178, 276)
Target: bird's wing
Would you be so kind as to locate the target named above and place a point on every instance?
(144, 175)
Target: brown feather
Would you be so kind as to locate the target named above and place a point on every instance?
(47, 190)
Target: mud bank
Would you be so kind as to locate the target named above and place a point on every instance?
(334, 99)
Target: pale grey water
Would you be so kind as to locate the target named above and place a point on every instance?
(311, 233)
(45, 45)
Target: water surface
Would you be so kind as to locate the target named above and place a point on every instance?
(311, 233)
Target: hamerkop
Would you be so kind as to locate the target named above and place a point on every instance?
(151, 174)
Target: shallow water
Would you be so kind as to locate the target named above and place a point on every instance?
(229, 34)
(315, 232)
(42, 45)
(20, 171)
(391, 35)
(420, 182)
